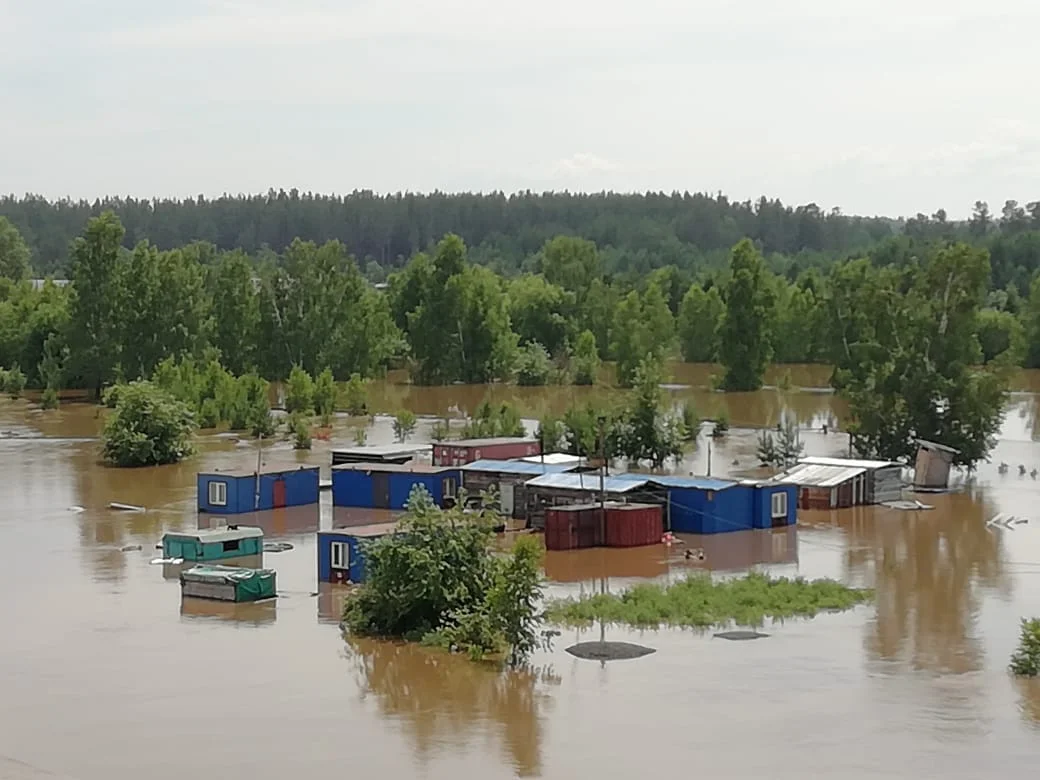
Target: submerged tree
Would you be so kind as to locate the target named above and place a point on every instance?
(744, 347)
(149, 427)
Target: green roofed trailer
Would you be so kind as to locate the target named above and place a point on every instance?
(228, 583)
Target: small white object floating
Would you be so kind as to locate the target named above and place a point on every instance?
(157, 561)
(76, 509)
(125, 507)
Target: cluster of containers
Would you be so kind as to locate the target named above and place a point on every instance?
(578, 526)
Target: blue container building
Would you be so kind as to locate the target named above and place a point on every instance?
(341, 556)
(235, 492)
(388, 485)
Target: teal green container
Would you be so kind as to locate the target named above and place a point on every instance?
(214, 544)
(228, 583)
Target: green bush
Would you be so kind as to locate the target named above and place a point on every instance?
(49, 398)
(14, 381)
(441, 430)
(149, 427)
(325, 397)
(721, 425)
(404, 425)
(437, 580)
(299, 391)
(1026, 660)
(691, 421)
(209, 414)
(355, 396)
(301, 431)
(533, 365)
(585, 361)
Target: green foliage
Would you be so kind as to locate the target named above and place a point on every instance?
(646, 434)
(355, 396)
(361, 436)
(436, 579)
(1025, 662)
(540, 311)
(700, 317)
(744, 345)
(404, 425)
(533, 365)
(49, 398)
(148, 427)
(491, 421)
(721, 426)
(691, 421)
(1001, 337)
(440, 430)
(325, 396)
(643, 326)
(782, 450)
(253, 407)
(699, 602)
(908, 361)
(551, 434)
(585, 360)
(299, 395)
(13, 380)
(300, 427)
(14, 254)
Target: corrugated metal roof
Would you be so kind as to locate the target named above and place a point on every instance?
(487, 442)
(696, 483)
(515, 467)
(211, 535)
(816, 460)
(811, 475)
(383, 450)
(556, 458)
(266, 470)
(590, 482)
(393, 468)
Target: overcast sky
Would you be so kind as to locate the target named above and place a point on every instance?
(888, 106)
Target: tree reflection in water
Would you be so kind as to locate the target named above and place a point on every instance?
(1029, 699)
(448, 700)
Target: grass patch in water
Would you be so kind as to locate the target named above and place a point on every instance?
(699, 602)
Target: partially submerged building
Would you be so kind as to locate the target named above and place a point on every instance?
(463, 451)
(837, 483)
(389, 485)
(238, 491)
(932, 465)
(380, 453)
(509, 478)
(213, 544)
(341, 555)
(228, 583)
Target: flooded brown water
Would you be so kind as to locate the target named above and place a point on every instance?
(106, 674)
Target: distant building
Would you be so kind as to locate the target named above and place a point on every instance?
(837, 483)
(389, 485)
(37, 284)
(463, 451)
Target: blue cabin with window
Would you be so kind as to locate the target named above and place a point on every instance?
(388, 485)
(236, 492)
(776, 505)
(703, 505)
(341, 554)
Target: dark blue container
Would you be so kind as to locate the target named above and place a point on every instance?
(235, 492)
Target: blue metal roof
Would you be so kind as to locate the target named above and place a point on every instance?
(590, 482)
(516, 467)
(695, 483)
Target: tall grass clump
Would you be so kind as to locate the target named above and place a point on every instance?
(697, 601)
(1026, 660)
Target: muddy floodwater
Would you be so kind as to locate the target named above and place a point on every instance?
(106, 675)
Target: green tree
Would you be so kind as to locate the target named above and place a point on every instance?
(1001, 336)
(94, 320)
(301, 431)
(235, 306)
(13, 381)
(700, 316)
(538, 311)
(585, 361)
(648, 433)
(643, 326)
(325, 394)
(551, 434)
(744, 347)
(356, 396)
(14, 254)
(149, 427)
(299, 395)
(404, 425)
(533, 365)
(570, 263)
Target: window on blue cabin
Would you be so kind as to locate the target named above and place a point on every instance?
(217, 493)
(340, 555)
(778, 502)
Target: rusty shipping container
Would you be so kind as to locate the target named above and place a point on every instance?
(634, 525)
(573, 527)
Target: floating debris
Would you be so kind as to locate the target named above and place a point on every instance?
(129, 548)
(907, 506)
(157, 561)
(76, 509)
(609, 651)
(125, 507)
(740, 636)
(274, 547)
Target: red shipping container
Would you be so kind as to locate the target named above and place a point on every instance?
(634, 525)
(573, 527)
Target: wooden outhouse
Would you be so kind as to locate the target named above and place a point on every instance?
(933, 464)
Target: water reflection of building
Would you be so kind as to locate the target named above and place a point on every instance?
(927, 570)
(595, 563)
(743, 550)
(172, 571)
(442, 699)
(256, 613)
(288, 521)
(330, 602)
(346, 516)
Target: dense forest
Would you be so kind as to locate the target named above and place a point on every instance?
(535, 289)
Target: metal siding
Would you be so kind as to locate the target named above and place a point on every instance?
(352, 488)
(401, 487)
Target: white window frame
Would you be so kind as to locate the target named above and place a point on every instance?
(778, 505)
(449, 487)
(339, 556)
(217, 492)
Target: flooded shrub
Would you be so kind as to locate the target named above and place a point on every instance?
(355, 396)
(325, 397)
(301, 431)
(438, 580)
(13, 381)
(299, 391)
(691, 421)
(149, 427)
(209, 414)
(1026, 660)
(698, 601)
(404, 425)
(361, 437)
(533, 365)
(440, 430)
(721, 425)
(49, 398)
(585, 361)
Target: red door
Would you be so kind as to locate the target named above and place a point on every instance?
(279, 493)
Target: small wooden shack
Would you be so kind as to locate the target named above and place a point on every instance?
(933, 464)
(463, 451)
(837, 483)
(228, 583)
(509, 478)
(883, 478)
